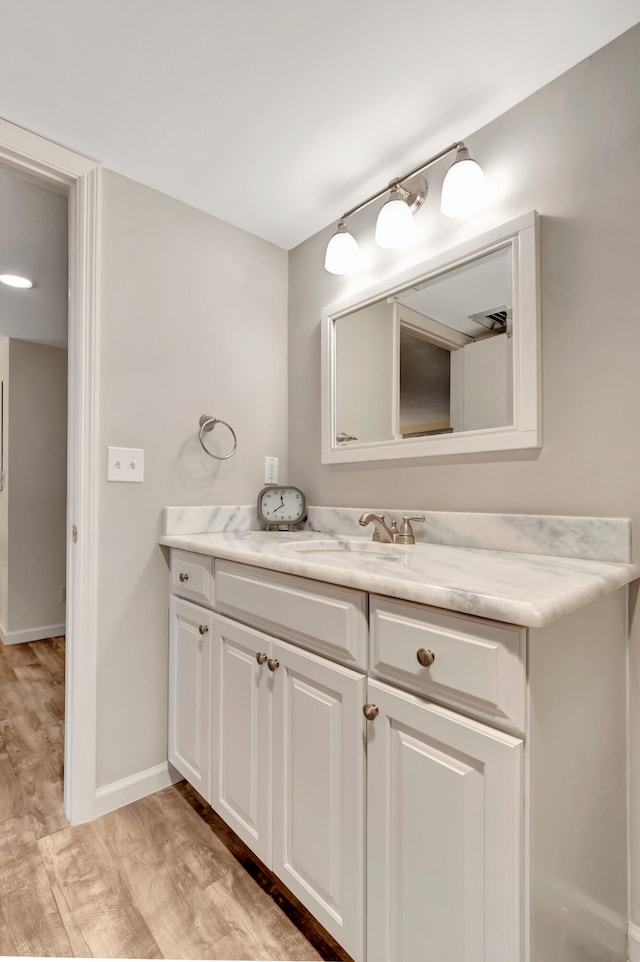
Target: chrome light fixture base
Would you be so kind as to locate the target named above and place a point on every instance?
(414, 191)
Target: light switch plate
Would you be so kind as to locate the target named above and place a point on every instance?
(125, 464)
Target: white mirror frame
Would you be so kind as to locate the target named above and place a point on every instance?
(526, 431)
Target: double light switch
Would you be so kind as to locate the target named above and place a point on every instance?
(125, 464)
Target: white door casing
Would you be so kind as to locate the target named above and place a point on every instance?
(55, 167)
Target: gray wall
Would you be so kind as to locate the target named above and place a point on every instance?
(37, 484)
(4, 497)
(33, 504)
(571, 152)
(193, 321)
(364, 376)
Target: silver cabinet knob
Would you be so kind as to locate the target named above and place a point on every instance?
(183, 576)
(273, 664)
(261, 657)
(426, 657)
(203, 629)
(370, 712)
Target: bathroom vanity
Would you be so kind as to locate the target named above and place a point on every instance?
(425, 743)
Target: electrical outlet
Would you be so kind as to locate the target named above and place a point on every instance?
(270, 470)
(125, 464)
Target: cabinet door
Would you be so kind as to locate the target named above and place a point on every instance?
(190, 693)
(444, 835)
(319, 789)
(241, 790)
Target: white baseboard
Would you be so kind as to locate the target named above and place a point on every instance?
(571, 919)
(130, 789)
(31, 634)
(633, 942)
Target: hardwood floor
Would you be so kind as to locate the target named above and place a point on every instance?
(163, 877)
(31, 733)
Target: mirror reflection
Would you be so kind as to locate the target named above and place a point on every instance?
(434, 358)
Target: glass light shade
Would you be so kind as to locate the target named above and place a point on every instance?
(14, 280)
(342, 252)
(463, 189)
(395, 226)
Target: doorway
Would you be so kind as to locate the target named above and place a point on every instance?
(77, 178)
(33, 496)
(33, 405)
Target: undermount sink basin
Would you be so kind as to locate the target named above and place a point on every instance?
(343, 547)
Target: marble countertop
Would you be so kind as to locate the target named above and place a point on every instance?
(516, 587)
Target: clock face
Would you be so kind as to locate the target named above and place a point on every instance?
(281, 504)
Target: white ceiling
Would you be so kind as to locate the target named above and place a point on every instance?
(277, 115)
(33, 243)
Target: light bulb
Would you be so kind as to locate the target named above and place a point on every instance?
(342, 252)
(464, 188)
(395, 226)
(14, 280)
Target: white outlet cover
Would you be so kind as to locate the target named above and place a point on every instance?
(270, 470)
(125, 464)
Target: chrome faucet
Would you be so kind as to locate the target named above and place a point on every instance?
(390, 533)
(382, 531)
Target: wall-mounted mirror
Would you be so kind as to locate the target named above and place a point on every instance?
(443, 359)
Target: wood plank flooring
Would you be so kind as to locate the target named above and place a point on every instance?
(163, 877)
(32, 732)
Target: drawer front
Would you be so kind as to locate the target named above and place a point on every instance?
(479, 666)
(325, 618)
(192, 576)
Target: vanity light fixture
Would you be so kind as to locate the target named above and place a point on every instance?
(14, 280)
(463, 188)
(395, 226)
(462, 193)
(342, 252)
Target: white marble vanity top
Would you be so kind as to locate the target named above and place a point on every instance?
(516, 586)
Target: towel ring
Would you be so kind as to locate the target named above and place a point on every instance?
(208, 423)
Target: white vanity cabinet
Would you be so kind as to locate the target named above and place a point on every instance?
(431, 785)
(241, 743)
(445, 792)
(288, 771)
(190, 640)
(444, 830)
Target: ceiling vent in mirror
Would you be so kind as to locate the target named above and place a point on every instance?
(495, 320)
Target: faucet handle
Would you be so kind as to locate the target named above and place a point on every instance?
(406, 535)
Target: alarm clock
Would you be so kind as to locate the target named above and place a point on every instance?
(281, 506)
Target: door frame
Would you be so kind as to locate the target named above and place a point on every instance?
(69, 173)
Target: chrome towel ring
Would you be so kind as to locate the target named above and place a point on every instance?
(208, 423)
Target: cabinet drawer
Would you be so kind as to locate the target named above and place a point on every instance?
(479, 665)
(328, 619)
(192, 576)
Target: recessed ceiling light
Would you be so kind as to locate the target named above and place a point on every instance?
(14, 280)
